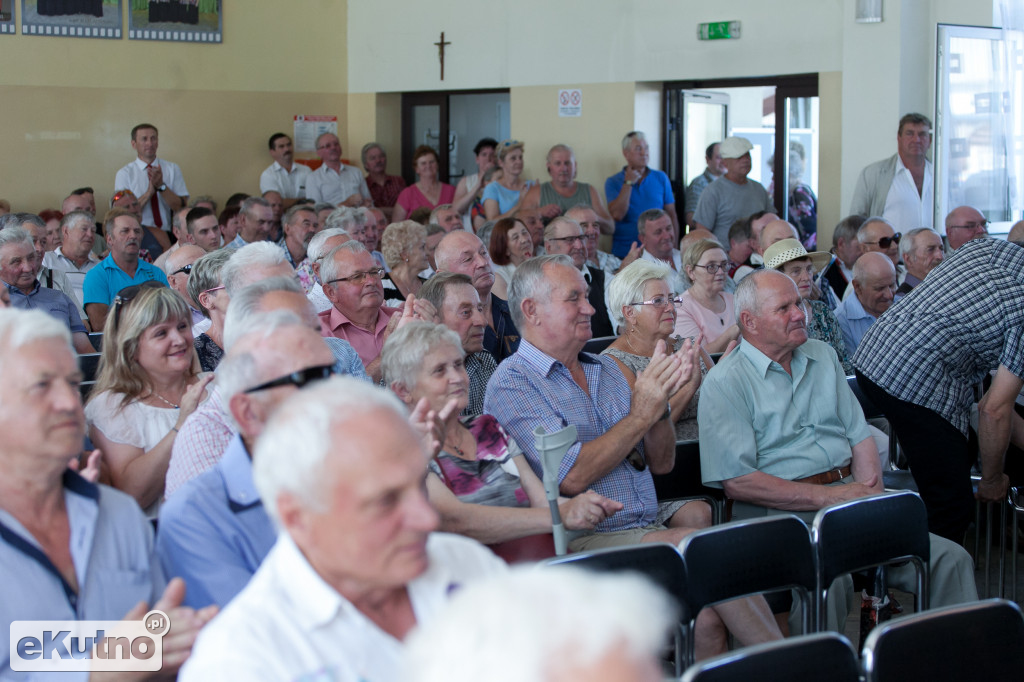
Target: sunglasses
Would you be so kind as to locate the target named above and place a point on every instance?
(886, 242)
(121, 195)
(297, 379)
(127, 295)
(187, 269)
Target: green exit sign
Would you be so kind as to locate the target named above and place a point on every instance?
(719, 30)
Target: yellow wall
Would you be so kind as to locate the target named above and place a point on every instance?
(69, 103)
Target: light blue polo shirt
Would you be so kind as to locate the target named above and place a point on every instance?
(106, 279)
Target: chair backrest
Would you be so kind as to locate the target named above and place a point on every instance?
(684, 481)
(825, 656)
(89, 364)
(96, 339)
(598, 344)
(977, 641)
(748, 557)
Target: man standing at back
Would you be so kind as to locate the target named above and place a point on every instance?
(715, 169)
(900, 188)
(157, 183)
(635, 189)
(284, 176)
(563, 192)
(732, 196)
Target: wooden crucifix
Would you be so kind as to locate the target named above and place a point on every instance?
(440, 52)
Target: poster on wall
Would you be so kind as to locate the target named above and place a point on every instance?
(7, 16)
(308, 128)
(182, 21)
(71, 18)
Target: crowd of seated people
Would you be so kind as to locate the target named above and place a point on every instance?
(268, 481)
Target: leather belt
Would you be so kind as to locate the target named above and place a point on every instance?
(827, 477)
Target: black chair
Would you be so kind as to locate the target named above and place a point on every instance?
(749, 557)
(96, 339)
(89, 364)
(978, 641)
(658, 561)
(879, 530)
(684, 481)
(597, 345)
(820, 657)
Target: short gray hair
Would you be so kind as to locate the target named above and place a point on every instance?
(20, 328)
(907, 242)
(329, 268)
(862, 231)
(20, 220)
(847, 229)
(647, 216)
(746, 298)
(206, 274)
(629, 137)
(549, 229)
(553, 618)
(628, 286)
(402, 357)
(344, 217)
(74, 217)
(400, 237)
(438, 209)
(529, 282)
(289, 215)
(367, 148)
(15, 235)
(560, 148)
(246, 307)
(291, 450)
(246, 206)
(435, 289)
(257, 254)
(315, 248)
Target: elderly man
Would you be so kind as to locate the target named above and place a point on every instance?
(564, 236)
(962, 323)
(900, 188)
(447, 217)
(319, 246)
(38, 233)
(384, 188)
(284, 176)
(74, 258)
(635, 189)
(463, 252)
(732, 196)
(591, 224)
(714, 170)
(357, 564)
(531, 217)
(846, 249)
(18, 276)
(213, 531)
(335, 182)
(921, 250)
(122, 268)
(178, 267)
(71, 550)
(874, 288)
(623, 436)
(657, 239)
(157, 183)
(963, 224)
(563, 192)
(459, 308)
(790, 437)
(276, 202)
(300, 225)
(878, 235)
(255, 223)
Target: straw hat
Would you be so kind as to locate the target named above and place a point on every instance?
(790, 249)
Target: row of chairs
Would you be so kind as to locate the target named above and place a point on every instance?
(776, 553)
(983, 641)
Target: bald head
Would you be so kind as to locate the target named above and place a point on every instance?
(963, 224)
(874, 282)
(694, 236)
(776, 231)
(1016, 232)
(463, 252)
(184, 256)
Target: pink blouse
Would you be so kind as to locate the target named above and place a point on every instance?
(412, 198)
(693, 319)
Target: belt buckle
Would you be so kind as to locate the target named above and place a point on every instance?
(839, 474)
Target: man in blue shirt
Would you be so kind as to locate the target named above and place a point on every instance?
(635, 189)
(69, 549)
(874, 287)
(122, 268)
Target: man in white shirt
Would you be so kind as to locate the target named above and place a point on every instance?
(900, 188)
(157, 183)
(74, 257)
(284, 176)
(357, 564)
(335, 182)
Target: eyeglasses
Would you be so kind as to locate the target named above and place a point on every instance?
(983, 225)
(886, 242)
(569, 240)
(187, 269)
(661, 301)
(211, 290)
(359, 277)
(128, 294)
(297, 379)
(712, 268)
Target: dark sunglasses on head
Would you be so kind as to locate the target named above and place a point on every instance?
(120, 195)
(297, 379)
(128, 294)
(187, 269)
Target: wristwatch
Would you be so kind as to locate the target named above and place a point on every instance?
(161, 188)
(630, 183)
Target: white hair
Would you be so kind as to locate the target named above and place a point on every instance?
(628, 286)
(235, 273)
(291, 450)
(329, 268)
(344, 217)
(404, 351)
(907, 242)
(315, 249)
(529, 282)
(20, 328)
(746, 298)
(15, 235)
(536, 623)
(246, 306)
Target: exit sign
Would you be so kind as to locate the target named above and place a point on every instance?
(718, 30)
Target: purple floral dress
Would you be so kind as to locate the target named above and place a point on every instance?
(492, 478)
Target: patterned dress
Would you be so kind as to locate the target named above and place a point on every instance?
(492, 478)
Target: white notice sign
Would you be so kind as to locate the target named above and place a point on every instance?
(570, 102)
(308, 128)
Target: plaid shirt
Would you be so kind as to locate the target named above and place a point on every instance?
(531, 389)
(479, 366)
(964, 320)
(200, 443)
(386, 194)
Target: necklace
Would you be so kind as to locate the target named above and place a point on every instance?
(455, 446)
(172, 405)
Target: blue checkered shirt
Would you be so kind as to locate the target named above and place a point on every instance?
(964, 320)
(531, 389)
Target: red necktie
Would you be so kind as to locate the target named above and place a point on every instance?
(154, 205)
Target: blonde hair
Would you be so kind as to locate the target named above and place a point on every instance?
(695, 252)
(398, 238)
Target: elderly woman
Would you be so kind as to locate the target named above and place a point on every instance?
(502, 198)
(791, 258)
(206, 288)
(706, 309)
(479, 482)
(52, 218)
(427, 191)
(148, 385)
(404, 246)
(510, 244)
